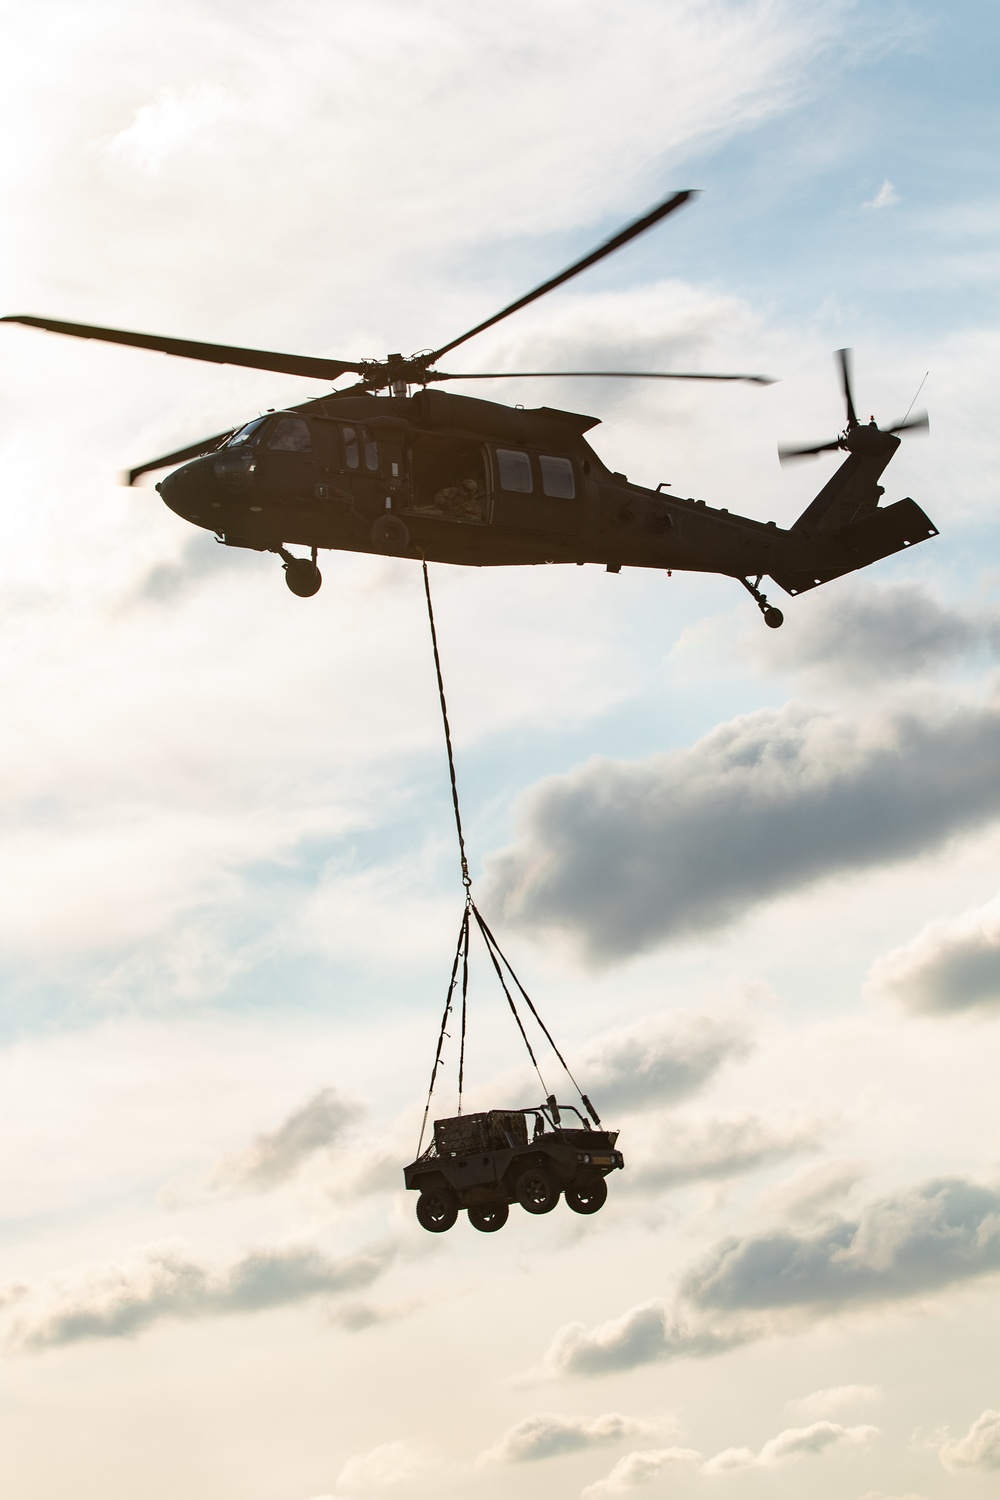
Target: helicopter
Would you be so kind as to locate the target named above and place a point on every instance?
(390, 465)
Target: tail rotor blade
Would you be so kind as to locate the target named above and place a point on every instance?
(920, 422)
(844, 355)
(789, 455)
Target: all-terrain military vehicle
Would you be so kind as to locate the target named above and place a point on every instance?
(485, 1162)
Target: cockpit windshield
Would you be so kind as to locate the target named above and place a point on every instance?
(247, 434)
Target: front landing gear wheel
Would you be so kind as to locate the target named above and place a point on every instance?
(488, 1217)
(303, 577)
(436, 1210)
(536, 1192)
(587, 1197)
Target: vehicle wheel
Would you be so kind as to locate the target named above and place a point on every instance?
(303, 577)
(587, 1197)
(773, 617)
(436, 1210)
(536, 1192)
(488, 1217)
(390, 534)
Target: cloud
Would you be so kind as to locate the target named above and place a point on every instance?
(660, 1060)
(937, 1233)
(875, 633)
(384, 1468)
(160, 130)
(886, 197)
(952, 966)
(637, 1469)
(684, 1151)
(167, 1281)
(646, 1333)
(622, 857)
(277, 1155)
(834, 1398)
(790, 1447)
(549, 1434)
(978, 1449)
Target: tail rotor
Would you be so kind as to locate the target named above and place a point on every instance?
(844, 357)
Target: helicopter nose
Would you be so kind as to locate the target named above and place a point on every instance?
(185, 492)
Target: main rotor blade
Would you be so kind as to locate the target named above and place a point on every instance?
(216, 354)
(181, 456)
(844, 355)
(788, 455)
(595, 375)
(615, 243)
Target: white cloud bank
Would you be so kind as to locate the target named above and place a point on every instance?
(549, 1434)
(978, 1449)
(167, 1281)
(951, 967)
(620, 857)
(790, 1447)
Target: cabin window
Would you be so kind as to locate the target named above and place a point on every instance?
(557, 478)
(291, 435)
(515, 471)
(371, 450)
(351, 453)
(248, 434)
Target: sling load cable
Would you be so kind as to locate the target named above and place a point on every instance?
(496, 954)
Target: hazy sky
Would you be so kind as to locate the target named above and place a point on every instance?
(751, 876)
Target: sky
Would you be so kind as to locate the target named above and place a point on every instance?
(749, 876)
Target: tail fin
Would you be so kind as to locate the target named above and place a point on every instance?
(844, 549)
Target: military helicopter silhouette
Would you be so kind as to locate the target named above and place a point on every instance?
(427, 474)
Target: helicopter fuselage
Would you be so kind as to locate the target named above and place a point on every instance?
(458, 480)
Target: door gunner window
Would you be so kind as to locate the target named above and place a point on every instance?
(557, 478)
(291, 434)
(515, 471)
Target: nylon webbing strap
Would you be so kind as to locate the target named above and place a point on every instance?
(461, 953)
(466, 878)
(510, 998)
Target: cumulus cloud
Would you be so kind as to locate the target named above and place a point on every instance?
(790, 1447)
(642, 1335)
(621, 857)
(874, 633)
(660, 1060)
(119, 1300)
(886, 197)
(931, 1236)
(637, 1469)
(978, 1449)
(386, 1467)
(275, 1156)
(549, 1434)
(698, 1151)
(834, 1398)
(952, 966)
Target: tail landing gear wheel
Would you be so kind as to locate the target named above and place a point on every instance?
(390, 534)
(303, 577)
(773, 617)
(587, 1197)
(488, 1217)
(436, 1210)
(536, 1192)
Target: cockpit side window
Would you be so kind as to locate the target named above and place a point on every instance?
(290, 434)
(515, 471)
(248, 434)
(557, 477)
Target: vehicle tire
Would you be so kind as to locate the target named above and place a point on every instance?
(436, 1210)
(488, 1217)
(390, 534)
(536, 1192)
(303, 577)
(588, 1196)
